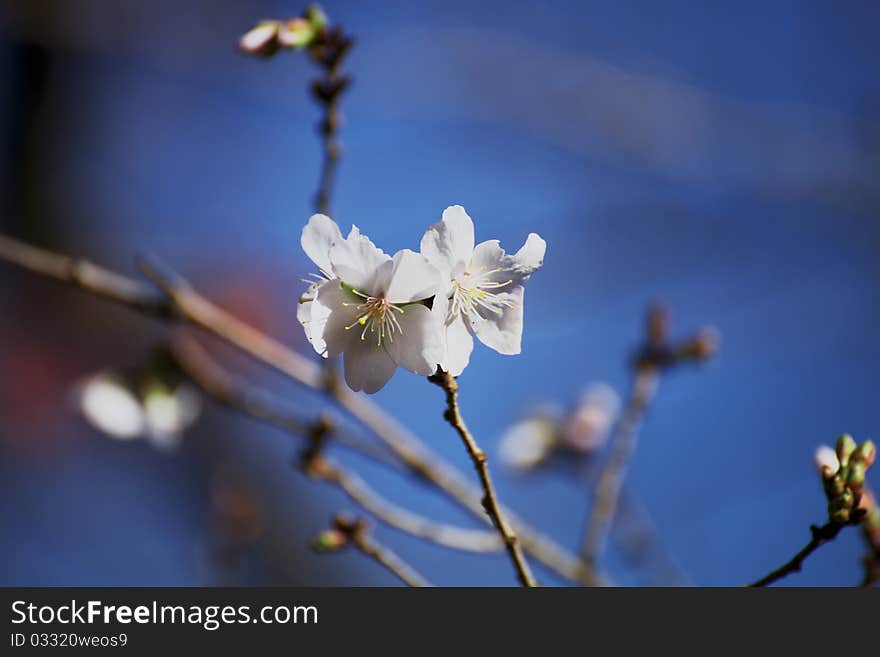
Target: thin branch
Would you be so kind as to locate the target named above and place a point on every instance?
(252, 401)
(821, 535)
(184, 303)
(611, 478)
(329, 52)
(84, 274)
(468, 540)
(356, 531)
(490, 498)
(257, 403)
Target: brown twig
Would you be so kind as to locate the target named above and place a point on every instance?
(356, 532)
(820, 536)
(328, 52)
(613, 473)
(656, 354)
(468, 540)
(452, 414)
(183, 303)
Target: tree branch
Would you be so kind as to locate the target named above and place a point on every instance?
(613, 473)
(356, 532)
(821, 535)
(182, 303)
(490, 499)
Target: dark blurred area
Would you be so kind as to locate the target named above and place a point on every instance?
(720, 156)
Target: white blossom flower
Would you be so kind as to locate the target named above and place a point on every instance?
(483, 287)
(128, 409)
(826, 461)
(368, 306)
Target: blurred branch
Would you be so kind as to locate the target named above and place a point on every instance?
(468, 540)
(656, 354)
(614, 471)
(182, 303)
(251, 401)
(490, 499)
(821, 535)
(329, 53)
(257, 403)
(639, 543)
(356, 533)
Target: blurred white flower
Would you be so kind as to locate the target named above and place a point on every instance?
(262, 39)
(482, 289)
(111, 407)
(587, 428)
(546, 431)
(368, 306)
(529, 442)
(120, 408)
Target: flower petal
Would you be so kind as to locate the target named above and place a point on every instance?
(368, 367)
(304, 315)
(517, 268)
(319, 234)
(411, 278)
(338, 308)
(419, 346)
(502, 331)
(459, 345)
(449, 243)
(356, 260)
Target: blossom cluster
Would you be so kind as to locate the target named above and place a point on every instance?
(419, 311)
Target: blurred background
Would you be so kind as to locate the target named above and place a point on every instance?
(720, 156)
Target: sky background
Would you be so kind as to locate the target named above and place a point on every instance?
(719, 156)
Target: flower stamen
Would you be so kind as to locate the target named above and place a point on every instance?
(376, 316)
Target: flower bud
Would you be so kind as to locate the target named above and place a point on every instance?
(261, 40)
(836, 486)
(316, 16)
(296, 33)
(845, 448)
(826, 461)
(842, 502)
(329, 540)
(856, 477)
(866, 453)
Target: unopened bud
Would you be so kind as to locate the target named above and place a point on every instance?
(836, 486)
(705, 344)
(316, 16)
(845, 448)
(856, 477)
(329, 540)
(826, 461)
(296, 33)
(843, 501)
(866, 453)
(261, 40)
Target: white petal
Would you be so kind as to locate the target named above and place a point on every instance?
(339, 308)
(317, 237)
(411, 278)
(459, 345)
(419, 347)
(355, 260)
(449, 243)
(502, 331)
(368, 367)
(516, 268)
(304, 315)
